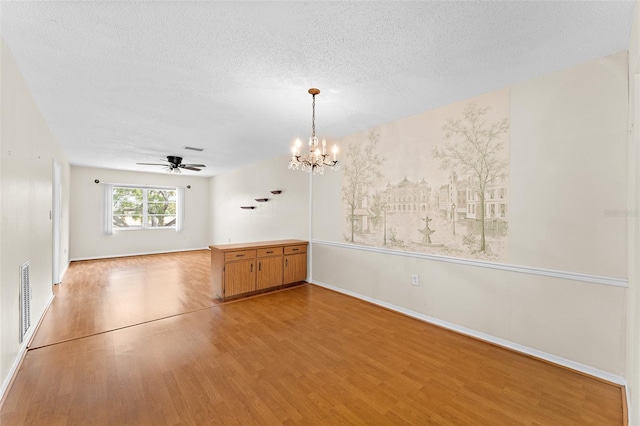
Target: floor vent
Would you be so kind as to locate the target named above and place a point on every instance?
(25, 300)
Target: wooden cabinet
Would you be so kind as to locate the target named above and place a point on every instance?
(269, 272)
(239, 277)
(295, 263)
(243, 269)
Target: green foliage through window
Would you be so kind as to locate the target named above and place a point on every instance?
(144, 207)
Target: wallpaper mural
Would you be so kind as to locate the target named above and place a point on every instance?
(436, 183)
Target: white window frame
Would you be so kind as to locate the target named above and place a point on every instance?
(109, 189)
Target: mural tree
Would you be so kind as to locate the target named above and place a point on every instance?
(475, 146)
(360, 170)
(378, 201)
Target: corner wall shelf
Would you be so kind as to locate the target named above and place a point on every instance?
(262, 200)
(248, 207)
(276, 192)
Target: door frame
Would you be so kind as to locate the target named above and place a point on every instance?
(56, 222)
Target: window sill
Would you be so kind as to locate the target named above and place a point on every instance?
(168, 228)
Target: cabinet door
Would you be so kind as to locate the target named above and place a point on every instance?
(295, 268)
(269, 272)
(239, 277)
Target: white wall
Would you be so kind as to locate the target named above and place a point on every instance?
(87, 239)
(26, 177)
(284, 216)
(568, 166)
(633, 219)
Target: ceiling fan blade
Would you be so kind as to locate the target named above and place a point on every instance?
(193, 165)
(182, 166)
(151, 164)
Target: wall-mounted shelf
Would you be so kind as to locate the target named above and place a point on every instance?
(276, 192)
(262, 200)
(248, 207)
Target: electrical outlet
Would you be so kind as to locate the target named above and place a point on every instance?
(414, 280)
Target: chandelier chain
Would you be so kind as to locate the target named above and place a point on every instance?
(313, 117)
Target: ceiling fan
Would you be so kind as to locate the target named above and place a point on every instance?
(175, 164)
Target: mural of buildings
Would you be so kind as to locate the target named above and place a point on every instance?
(362, 216)
(496, 207)
(461, 193)
(453, 197)
(444, 192)
(408, 197)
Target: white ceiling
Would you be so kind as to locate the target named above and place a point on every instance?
(127, 82)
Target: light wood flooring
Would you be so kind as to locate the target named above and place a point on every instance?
(139, 341)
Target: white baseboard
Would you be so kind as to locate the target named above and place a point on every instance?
(591, 371)
(22, 351)
(111, 256)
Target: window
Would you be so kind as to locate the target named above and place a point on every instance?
(144, 208)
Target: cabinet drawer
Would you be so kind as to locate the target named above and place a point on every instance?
(272, 251)
(239, 255)
(295, 249)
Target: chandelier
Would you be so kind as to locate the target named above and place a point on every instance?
(317, 158)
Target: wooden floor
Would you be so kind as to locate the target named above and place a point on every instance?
(103, 295)
(115, 349)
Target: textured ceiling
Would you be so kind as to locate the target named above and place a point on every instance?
(127, 82)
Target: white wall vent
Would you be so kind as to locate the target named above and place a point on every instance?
(25, 300)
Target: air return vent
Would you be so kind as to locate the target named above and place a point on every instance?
(193, 148)
(25, 300)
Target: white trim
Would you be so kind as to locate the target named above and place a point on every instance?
(64, 271)
(110, 256)
(22, 351)
(56, 219)
(627, 395)
(310, 248)
(575, 276)
(486, 337)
